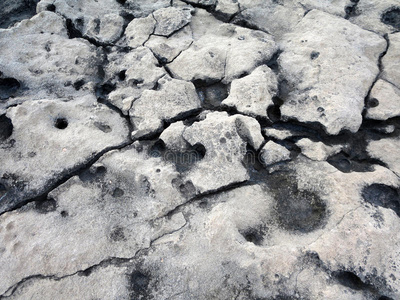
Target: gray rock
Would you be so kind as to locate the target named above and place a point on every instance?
(386, 150)
(377, 16)
(273, 153)
(329, 83)
(317, 150)
(99, 20)
(47, 64)
(61, 138)
(252, 94)
(132, 73)
(272, 17)
(173, 99)
(224, 139)
(224, 54)
(13, 11)
(142, 8)
(139, 30)
(167, 49)
(114, 209)
(170, 20)
(390, 61)
(384, 101)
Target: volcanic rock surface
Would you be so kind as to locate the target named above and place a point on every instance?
(200, 149)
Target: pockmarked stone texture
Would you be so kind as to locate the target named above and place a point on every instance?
(200, 149)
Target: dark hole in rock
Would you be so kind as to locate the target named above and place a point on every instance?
(253, 235)
(122, 75)
(117, 193)
(296, 210)
(350, 11)
(105, 89)
(138, 284)
(103, 127)
(301, 211)
(64, 214)
(73, 31)
(372, 102)
(203, 204)
(274, 113)
(86, 272)
(46, 206)
(121, 1)
(392, 17)
(187, 189)
(273, 62)
(47, 47)
(97, 27)
(349, 280)
(314, 55)
(211, 96)
(244, 74)
(184, 160)
(117, 234)
(382, 195)
(345, 164)
(61, 123)
(157, 149)
(8, 88)
(78, 84)
(13, 11)
(6, 128)
(51, 7)
(93, 173)
(384, 298)
(3, 190)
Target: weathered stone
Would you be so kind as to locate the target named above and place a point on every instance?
(329, 83)
(225, 54)
(384, 101)
(170, 20)
(113, 209)
(139, 31)
(173, 99)
(273, 153)
(317, 150)
(377, 16)
(252, 94)
(15, 11)
(99, 20)
(47, 63)
(390, 61)
(60, 138)
(386, 150)
(167, 49)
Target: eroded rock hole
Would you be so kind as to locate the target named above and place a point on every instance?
(3, 190)
(211, 96)
(349, 280)
(138, 284)
(6, 128)
(15, 11)
(103, 127)
(382, 195)
(122, 75)
(253, 235)
(296, 210)
(64, 214)
(51, 7)
(117, 234)
(392, 17)
(79, 84)
(117, 193)
(314, 55)
(94, 173)
(372, 102)
(8, 88)
(45, 206)
(61, 123)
